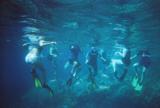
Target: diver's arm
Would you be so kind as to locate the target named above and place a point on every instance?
(44, 43)
(87, 58)
(50, 51)
(133, 57)
(142, 74)
(25, 44)
(108, 66)
(146, 55)
(86, 62)
(66, 65)
(100, 55)
(53, 53)
(102, 58)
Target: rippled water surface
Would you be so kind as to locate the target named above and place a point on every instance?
(135, 23)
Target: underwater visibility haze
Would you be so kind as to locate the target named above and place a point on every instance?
(80, 53)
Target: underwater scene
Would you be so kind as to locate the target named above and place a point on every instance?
(80, 53)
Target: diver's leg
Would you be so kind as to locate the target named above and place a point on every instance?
(44, 74)
(66, 65)
(46, 86)
(142, 75)
(114, 67)
(122, 77)
(114, 62)
(37, 81)
(40, 66)
(33, 72)
(138, 86)
(69, 81)
(78, 69)
(136, 78)
(73, 70)
(136, 69)
(93, 73)
(73, 74)
(93, 76)
(90, 76)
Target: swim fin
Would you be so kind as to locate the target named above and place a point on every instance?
(134, 81)
(69, 81)
(116, 76)
(138, 87)
(121, 78)
(49, 89)
(94, 86)
(37, 83)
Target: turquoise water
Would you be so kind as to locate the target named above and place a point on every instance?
(111, 22)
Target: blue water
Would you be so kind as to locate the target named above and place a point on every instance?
(132, 22)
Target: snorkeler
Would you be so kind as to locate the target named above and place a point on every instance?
(125, 59)
(141, 66)
(91, 60)
(74, 62)
(34, 57)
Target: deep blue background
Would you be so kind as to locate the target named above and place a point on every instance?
(15, 75)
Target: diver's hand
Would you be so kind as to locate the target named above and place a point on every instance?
(86, 62)
(53, 42)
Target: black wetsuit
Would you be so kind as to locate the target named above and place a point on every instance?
(144, 59)
(92, 60)
(75, 51)
(127, 59)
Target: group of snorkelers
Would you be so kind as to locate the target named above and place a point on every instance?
(122, 57)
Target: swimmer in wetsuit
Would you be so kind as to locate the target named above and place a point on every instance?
(125, 59)
(91, 61)
(74, 62)
(144, 62)
(34, 58)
